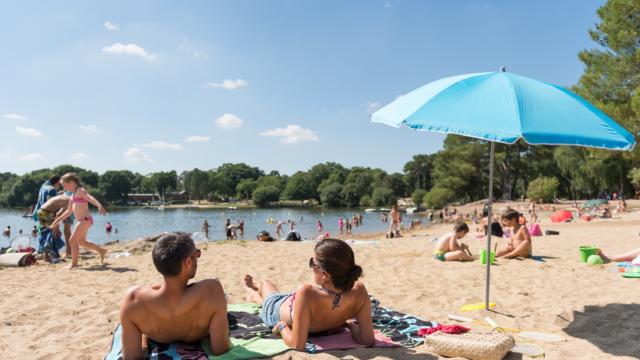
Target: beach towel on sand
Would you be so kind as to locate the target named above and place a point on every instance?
(251, 339)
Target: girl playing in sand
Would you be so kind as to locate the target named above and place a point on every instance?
(520, 241)
(79, 206)
(448, 249)
(333, 300)
(629, 256)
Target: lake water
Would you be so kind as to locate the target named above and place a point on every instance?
(135, 223)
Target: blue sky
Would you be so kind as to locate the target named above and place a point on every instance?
(283, 85)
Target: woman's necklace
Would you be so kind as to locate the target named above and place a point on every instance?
(336, 297)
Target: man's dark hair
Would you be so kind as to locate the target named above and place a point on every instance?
(54, 179)
(169, 252)
(461, 226)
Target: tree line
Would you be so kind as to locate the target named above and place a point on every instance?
(457, 173)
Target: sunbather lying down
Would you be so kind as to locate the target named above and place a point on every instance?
(333, 300)
(448, 249)
(174, 311)
(629, 256)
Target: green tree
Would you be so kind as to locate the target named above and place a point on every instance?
(115, 185)
(418, 197)
(245, 188)
(229, 175)
(418, 172)
(437, 197)
(88, 177)
(320, 172)
(298, 187)
(196, 182)
(610, 79)
(543, 189)
(264, 195)
(330, 195)
(460, 168)
(165, 181)
(634, 176)
(381, 196)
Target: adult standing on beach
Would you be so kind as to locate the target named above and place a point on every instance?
(48, 189)
(279, 229)
(79, 206)
(395, 221)
(205, 228)
(49, 234)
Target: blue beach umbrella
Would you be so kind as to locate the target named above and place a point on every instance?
(504, 107)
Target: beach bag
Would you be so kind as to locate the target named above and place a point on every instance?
(17, 259)
(534, 230)
(474, 346)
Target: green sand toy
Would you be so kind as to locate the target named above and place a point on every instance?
(631, 275)
(595, 260)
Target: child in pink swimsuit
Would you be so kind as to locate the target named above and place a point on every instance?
(79, 206)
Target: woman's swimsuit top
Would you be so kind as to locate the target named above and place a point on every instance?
(336, 300)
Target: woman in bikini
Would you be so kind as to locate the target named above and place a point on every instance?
(79, 206)
(332, 301)
(520, 241)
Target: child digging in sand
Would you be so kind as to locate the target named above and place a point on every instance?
(79, 206)
(520, 241)
(448, 249)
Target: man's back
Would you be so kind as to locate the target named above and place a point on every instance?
(183, 318)
(174, 311)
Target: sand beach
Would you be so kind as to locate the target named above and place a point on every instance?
(50, 312)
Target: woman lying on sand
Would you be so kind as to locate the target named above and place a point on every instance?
(333, 300)
(520, 241)
(629, 256)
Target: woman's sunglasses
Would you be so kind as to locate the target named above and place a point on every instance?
(313, 265)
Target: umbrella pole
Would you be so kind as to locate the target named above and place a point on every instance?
(489, 227)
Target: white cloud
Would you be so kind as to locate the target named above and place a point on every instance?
(197, 139)
(111, 26)
(372, 106)
(291, 134)
(14, 116)
(228, 84)
(28, 132)
(78, 156)
(129, 49)
(31, 157)
(229, 121)
(162, 145)
(136, 155)
(90, 128)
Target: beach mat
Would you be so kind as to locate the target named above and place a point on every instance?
(241, 349)
(251, 339)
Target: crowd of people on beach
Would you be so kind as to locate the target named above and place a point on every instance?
(177, 311)
(63, 200)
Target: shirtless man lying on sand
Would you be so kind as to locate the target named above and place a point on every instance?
(174, 311)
